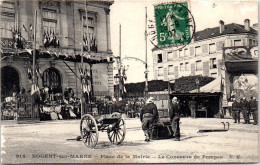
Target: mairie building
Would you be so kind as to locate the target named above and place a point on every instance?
(64, 32)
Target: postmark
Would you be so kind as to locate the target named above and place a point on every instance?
(173, 25)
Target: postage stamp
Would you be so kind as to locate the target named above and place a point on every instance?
(174, 23)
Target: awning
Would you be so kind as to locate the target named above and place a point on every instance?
(212, 87)
(242, 66)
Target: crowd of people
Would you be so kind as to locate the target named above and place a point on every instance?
(247, 108)
(55, 105)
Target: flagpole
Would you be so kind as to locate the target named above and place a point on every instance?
(91, 93)
(146, 65)
(34, 45)
(119, 61)
(81, 53)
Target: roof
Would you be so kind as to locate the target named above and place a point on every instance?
(212, 87)
(207, 33)
(232, 28)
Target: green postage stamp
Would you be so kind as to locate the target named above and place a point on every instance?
(173, 23)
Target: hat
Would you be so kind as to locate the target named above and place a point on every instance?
(114, 99)
(150, 100)
(174, 98)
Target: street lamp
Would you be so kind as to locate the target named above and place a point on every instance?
(120, 76)
(145, 73)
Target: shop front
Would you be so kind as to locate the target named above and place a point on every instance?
(242, 72)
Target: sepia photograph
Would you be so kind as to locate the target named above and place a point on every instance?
(129, 81)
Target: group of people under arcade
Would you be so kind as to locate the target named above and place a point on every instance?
(247, 108)
(56, 105)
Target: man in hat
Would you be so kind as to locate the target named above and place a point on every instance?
(254, 109)
(236, 111)
(245, 110)
(148, 116)
(192, 106)
(174, 113)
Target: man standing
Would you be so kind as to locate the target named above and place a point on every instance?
(236, 111)
(245, 110)
(148, 116)
(192, 105)
(174, 113)
(253, 104)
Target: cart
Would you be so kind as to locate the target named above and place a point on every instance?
(163, 127)
(113, 124)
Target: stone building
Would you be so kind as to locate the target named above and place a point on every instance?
(61, 31)
(204, 55)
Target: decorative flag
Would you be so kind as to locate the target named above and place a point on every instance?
(38, 71)
(29, 73)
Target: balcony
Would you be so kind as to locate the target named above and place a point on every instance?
(9, 43)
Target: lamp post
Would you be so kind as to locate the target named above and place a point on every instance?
(145, 73)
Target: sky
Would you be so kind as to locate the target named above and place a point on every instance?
(131, 15)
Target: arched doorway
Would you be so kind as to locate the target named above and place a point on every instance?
(10, 81)
(52, 79)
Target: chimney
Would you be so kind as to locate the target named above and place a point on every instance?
(221, 26)
(247, 24)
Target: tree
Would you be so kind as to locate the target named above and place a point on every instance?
(188, 83)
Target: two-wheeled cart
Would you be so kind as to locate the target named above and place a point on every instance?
(113, 124)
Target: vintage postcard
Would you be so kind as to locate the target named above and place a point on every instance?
(136, 81)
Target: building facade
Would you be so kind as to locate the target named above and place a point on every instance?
(61, 30)
(204, 55)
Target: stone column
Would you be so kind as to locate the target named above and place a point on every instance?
(107, 11)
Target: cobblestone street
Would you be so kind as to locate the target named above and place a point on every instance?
(52, 141)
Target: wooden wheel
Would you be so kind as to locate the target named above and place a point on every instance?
(117, 133)
(89, 131)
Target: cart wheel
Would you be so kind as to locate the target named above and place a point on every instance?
(89, 131)
(117, 133)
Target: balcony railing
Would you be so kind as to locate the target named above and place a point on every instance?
(9, 43)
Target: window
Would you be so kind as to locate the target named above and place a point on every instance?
(7, 19)
(238, 43)
(198, 50)
(213, 63)
(181, 53)
(186, 52)
(170, 70)
(49, 21)
(187, 66)
(159, 58)
(160, 71)
(212, 48)
(170, 56)
(89, 36)
(50, 28)
(181, 67)
(198, 65)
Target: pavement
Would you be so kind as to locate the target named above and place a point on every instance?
(54, 142)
